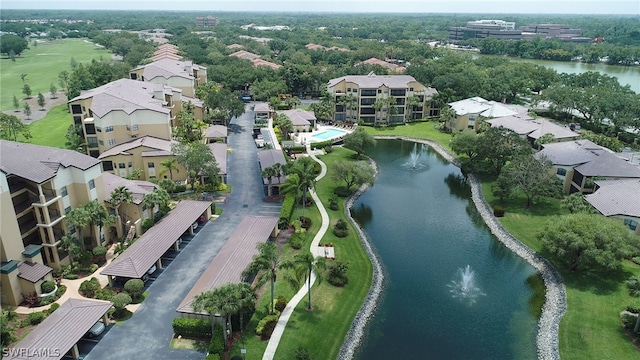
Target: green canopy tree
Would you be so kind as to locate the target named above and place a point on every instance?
(353, 173)
(358, 141)
(589, 241)
(533, 177)
(11, 127)
(303, 266)
(69, 243)
(79, 218)
(285, 125)
(265, 265)
(158, 197)
(74, 141)
(198, 160)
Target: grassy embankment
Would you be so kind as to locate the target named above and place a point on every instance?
(322, 330)
(591, 328)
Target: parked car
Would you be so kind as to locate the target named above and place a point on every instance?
(96, 329)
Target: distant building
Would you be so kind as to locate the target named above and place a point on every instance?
(504, 30)
(207, 21)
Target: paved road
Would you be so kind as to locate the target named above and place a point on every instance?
(148, 333)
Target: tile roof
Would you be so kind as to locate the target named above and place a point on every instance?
(33, 272)
(235, 46)
(39, 163)
(571, 153)
(165, 55)
(523, 124)
(617, 197)
(373, 81)
(147, 141)
(548, 127)
(234, 256)
(243, 54)
(219, 151)
(300, 117)
(138, 188)
(376, 61)
(216, 131)
(125, 95)
(62, 329)
(260, 62)
(609, 165)
(144, 252)
(262, 107)
(168, 68)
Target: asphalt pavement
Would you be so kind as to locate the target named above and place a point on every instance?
(147, 334)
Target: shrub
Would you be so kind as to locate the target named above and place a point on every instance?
(120, 301)
(31, 299)
(71, 276)
(629, 321)
(36, 318)
(288, 206)
(633, 284)
(47, 300)
(10, 314)
(53, 307)
(281, 303)
(61, 290)
(99, 251)
(302, 354)
(180, 188)
(328, 149)
(338, 274)
(105, 294)
(194, 328)
(305, 222)
(89, 287)
(498, 211)
(146, 224)
(212, 357)
(47, 286)
(85, 258)
(342, 191)
(134, 287)
(333, 204)
(340, 229)
(267, 324)
(296, 241)
(93, 268)
(216, 346)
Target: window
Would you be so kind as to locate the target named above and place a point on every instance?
(410, 89)
(76, 109)
(151, 165)
(67, 210)
(77, 120)
(128, 127)
(108, 129)
(92, 184)
(92, 142)
(72, 229)
(379, 91)
(134, 76)
(107, 165)
(63, 191)
(98, 129)
(355, 91)
(121, 166)
(101, 143)
(90, 129)
(398, 92)
(135, 127)
(368, 92)
(632, 224)
(130, 164)
(348, 89)
(112, 142)
(561, 171)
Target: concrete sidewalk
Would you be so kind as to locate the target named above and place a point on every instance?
(272, 346)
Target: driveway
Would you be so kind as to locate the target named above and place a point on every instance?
(146, 335)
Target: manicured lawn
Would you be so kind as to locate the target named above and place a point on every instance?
(333, 307)
(421, 130)
(50, 130)
(42, 64)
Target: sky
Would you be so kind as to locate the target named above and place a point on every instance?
(620, 7)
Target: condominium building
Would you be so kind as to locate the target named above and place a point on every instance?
(382, 99)
(124, 109)
(38, 186)
(207, 21)
(183, 75)
(506, 30)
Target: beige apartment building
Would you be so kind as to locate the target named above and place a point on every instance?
(356, 96)
(115, 113)
(183, 75)
(38, 187)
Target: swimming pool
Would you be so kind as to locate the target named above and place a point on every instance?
(330, 133)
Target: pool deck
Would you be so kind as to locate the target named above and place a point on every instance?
(304, 138)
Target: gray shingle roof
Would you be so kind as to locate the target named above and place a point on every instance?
(300, 117)
(125, 95)
(62, 329)
(148, 141)
(39, 163)
(219, 151)
(142, 254)
(216, 131)
(571, 153)
(374, 81)
(262, 107)
(617, 197)
(234, 256)
(33, 272)
(268, 158)
(609, 165)
(523, 124)
(138, 188)
(168, 68)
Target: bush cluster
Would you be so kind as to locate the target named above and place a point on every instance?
(146, 224)
(338, 274)
(281, 303)
(333, 204)
(498, 211)
(342, 191)
(286, 211)
(340, 229)
(89, 287)
(216, 346)
(192, 328)
(134, 287)
(47, 286)
(36, 318)
(267, 324)
(296, 241)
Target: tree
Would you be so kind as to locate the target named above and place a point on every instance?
(499, 145)
(158, 197)
(198, 160)
(120, 302)
(358, 141)
(386, 105)
(169, 165)
(27, 110)
(119, 196)
(285, 124)
(41, 101)
(449, 117)
(11, 126)
(576, 203)
(413, 101)
(304, 168)
(99, 216)
(16, 103)
(26, 90)
(304, 265)
(189, 130)
(135, 174)
(353, 173)
(13, 44)
(221, 101)
(75, 141)
(467, 142)
(544, 139)
(69, 243)
(350, 103)
(63, 80)
(134, 287)
(53, 90)
(79, 218)
(588, 241)
(269, 173)
(265, 265)
(533, 177)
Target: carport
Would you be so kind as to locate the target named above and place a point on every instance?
(147, 251)
(60, 332)
(267, 159)
(234, 256)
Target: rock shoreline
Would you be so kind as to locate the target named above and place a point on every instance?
(555, 304)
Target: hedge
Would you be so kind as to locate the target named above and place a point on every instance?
(288, 205)
(194, 328)
(216, 346)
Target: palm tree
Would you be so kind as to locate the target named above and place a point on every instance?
(119, 196)
(449, 117)
(412, 101)
(265, 265)
(269, 173)
(169, 165)
(292, 186)
(304, 265)
(225, 300)
(158, 197)
(305, 169)
(69, 244)
(99, 216)
(386, 105)
(350, 103)
(79, 217)
(247, 297)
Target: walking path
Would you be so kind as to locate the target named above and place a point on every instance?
(270, 352)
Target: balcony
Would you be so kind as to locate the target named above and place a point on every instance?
(49, 198)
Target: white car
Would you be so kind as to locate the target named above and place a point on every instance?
(96, 329)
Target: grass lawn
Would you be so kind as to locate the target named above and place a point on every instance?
(50, 130)
(421, 130)
(189, 344)
(333, 307)
(42, 64)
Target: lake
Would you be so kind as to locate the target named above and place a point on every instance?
(425, 229)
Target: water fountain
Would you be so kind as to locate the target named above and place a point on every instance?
(464, 286)
(415, 155)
